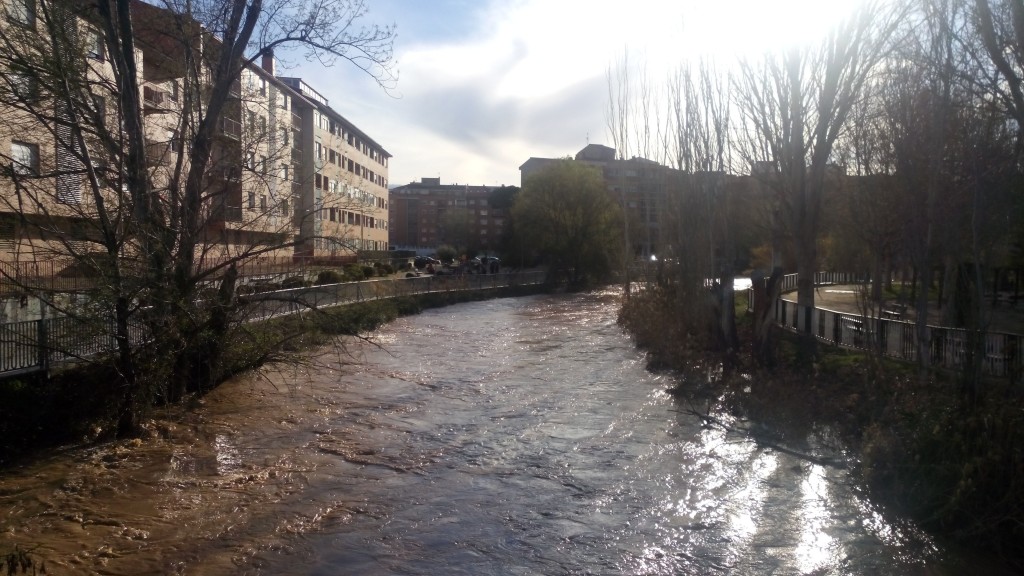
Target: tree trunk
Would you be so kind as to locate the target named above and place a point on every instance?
(806, 254)
(766, 292)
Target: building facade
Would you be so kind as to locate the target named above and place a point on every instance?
(288, 176)
(345, 175)
(427, 214)
(642, 187)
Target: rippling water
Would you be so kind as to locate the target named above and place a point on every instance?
(515, 436)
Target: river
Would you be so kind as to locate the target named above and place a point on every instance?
(512, 436)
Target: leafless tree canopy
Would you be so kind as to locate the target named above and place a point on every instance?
(136, 198)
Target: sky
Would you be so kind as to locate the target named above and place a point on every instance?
(483, 85)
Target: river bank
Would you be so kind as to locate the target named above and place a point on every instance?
(911, 442)
(74, 406)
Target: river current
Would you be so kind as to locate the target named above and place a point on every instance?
(512, 436)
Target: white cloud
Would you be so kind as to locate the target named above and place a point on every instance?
(525, 78)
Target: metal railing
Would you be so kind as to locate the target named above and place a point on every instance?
(58, 275)
(948, 348)
(38, 345)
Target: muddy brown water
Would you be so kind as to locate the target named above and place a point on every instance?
(514, 436)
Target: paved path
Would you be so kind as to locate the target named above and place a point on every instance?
(849, 299)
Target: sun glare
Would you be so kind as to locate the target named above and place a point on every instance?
(750, 27)
(558, 43)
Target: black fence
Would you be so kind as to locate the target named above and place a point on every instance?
(38, 345)
(948, 348)
(63, 275)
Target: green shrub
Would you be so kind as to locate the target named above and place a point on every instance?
(369, 271)
(354, 273)
(329, 277)
(386, 270)
(266, 287)
(294, 282)
(446, 253)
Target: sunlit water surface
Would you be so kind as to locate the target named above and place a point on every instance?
(514, 436)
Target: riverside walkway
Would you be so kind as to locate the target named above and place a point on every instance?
(840, 317)
(37, 346)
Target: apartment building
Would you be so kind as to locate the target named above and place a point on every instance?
(344, 173)
(288, 176)
(43, 202)
(426, 214)
(643, 187)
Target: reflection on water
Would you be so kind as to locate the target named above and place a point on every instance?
(518, 436)
(815, 548)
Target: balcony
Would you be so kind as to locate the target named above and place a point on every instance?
(229, 174)
(226, 213)
(296, 121)
(159, 154)
(296, 157)
(155, 100)
(230, 128)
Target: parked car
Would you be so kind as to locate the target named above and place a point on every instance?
(421, 262)
(490, 264)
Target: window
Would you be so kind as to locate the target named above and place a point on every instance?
(94, 44)
(263, 203)
(25, 87)
(252, 200)
(284, 136)
(100, 169)
(25, 158)
(100, 105)
(22, 12)
(284, 171)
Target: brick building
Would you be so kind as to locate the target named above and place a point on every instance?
(427, 214)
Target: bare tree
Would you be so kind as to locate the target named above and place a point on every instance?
(697, 141)
(795, 106)
(1000, 28)
(619, 118)
(72, 70)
